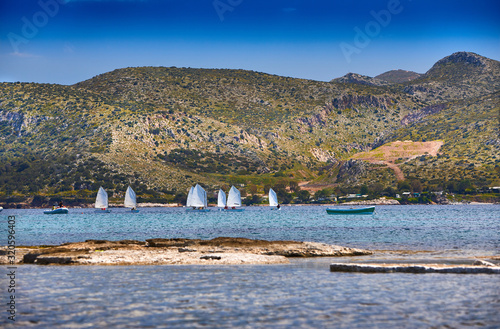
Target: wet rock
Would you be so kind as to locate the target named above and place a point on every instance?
(411, 268)
(162, 243)
(49, 259)
(186, 250)
(211, 257)
(483, 263)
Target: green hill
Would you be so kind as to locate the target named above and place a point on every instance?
(163, 129)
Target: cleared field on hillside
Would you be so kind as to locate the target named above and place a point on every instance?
(400, 150)
(403, 151)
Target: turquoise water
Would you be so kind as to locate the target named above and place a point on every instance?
(461, 228)
(303, 294)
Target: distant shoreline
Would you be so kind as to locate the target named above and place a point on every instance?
(346, 204)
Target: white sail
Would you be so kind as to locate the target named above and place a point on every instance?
(273, 198)
(190, 197)
(205, 198)
(130, 198)
(234, 197)
(101, 201)
(197, 197)
(221, 199)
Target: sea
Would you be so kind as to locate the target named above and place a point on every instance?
(302, 294)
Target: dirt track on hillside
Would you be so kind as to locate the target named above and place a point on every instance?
(388, 154)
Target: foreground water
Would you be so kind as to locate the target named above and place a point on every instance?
(303, 294)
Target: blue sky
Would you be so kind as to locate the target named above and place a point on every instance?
(67, 41)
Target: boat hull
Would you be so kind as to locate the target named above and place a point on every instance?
(134, 211)
(348, 211)
(233, 210)
(102, 211)
(57, 211)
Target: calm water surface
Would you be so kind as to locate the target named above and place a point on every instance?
(463, 228)
(303, 294)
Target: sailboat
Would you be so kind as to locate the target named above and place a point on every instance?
(273, 200)
(197, 199)
(233, 200)
(101, 201)
(221, 200)
(131, 200)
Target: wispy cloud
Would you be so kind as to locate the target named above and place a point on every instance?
(289, 10)
(23, 55)
(68, 48)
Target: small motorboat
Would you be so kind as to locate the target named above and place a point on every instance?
(348, 211)
(56, 211)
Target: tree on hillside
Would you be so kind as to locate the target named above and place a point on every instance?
(303, 196)
(464, 185)
(404, 186)
(252, 200)
(294, 186)
(416, 186)
(252, 189)
(363, 190)
(323, 194)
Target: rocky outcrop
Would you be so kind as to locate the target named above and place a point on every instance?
(412, 268)
(419, 115)
(355, 102)
(350, 170)
(359, 79)
(380, 201)
(176, 251)
(415, 89)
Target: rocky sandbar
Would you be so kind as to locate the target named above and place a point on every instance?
(176, 251)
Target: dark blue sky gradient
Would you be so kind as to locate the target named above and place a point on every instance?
(298, 38)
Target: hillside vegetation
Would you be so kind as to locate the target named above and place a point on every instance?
(163, 129)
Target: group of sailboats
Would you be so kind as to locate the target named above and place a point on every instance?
(102, 204)
(233, 201)
(197, 199)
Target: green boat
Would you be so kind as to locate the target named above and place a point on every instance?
(348, 211)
